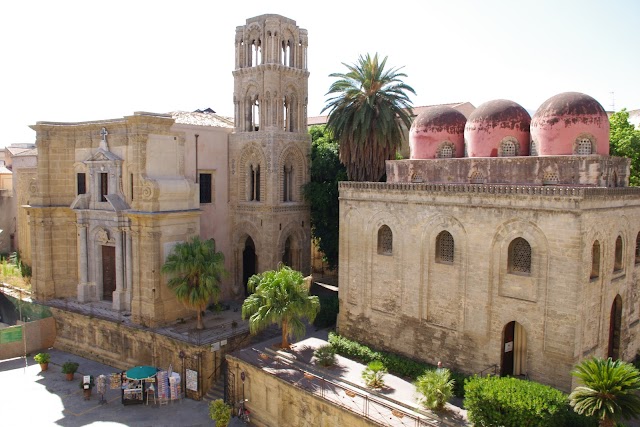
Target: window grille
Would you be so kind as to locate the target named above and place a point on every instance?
(638, 249)
(385, 240)
(533, 151)
(508, 149)
(477, 178)
(584, 147)
(444, 247)
(446, 152)
(520, 256)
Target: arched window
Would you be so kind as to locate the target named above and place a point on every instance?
(595, 260)
(519, 256)
(584, 146)
(509, 147)
(287, 183)
(444, 247)
(254, 183)
(638, 249)
(617, 265)
(385, 240)
(445, 151)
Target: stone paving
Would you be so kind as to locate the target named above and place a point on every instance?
(33, 398)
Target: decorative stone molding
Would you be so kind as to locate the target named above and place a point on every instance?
(103, 237)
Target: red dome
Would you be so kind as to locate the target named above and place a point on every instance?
(437, 132)
(570, 123)
(498, 128)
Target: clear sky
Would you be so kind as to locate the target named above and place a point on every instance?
(85, 60)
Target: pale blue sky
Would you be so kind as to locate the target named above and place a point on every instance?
(88, 60)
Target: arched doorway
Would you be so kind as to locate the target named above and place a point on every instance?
(287, 257)
(514, 350)
(615, 320)
(249, 263)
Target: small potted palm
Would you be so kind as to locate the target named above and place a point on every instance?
(69, 368)
(43, 359)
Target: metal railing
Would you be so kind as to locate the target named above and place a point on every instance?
(380, 409)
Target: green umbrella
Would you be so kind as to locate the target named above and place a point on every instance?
(141, 372)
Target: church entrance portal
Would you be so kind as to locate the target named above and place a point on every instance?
(249, 263)
(614, 328)
(108, 272)
(514, 350)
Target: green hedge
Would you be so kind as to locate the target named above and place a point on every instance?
(397, 365)
(507, 401)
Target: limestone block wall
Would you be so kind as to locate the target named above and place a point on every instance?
(411, 303)
(38, 335)
(125, 346)
(24, 178)
(7, 219)
(273, 402)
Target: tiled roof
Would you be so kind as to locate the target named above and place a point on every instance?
(201, 119)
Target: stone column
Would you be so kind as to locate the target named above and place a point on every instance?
(85, 290)
(129, 270)
(118, 295)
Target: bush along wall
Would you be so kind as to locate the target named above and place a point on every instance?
(397, 365)
(507, 401)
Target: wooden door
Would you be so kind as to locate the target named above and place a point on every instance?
(507, 349)
(108, 272)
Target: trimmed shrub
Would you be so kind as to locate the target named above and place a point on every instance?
(507, 401)
(220, 412)
(398, 365)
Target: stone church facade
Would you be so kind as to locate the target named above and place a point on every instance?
(492, 260)
(109, 199)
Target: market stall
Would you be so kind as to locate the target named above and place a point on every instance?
(136, 382)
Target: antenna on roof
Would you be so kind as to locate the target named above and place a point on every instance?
(613, 101)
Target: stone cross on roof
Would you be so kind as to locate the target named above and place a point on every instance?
(103, 142)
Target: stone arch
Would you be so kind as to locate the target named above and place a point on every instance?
(288, 47)
(385, 292)
(585, 144)
(509, 147)
(615, 328)
(513, 361)
(101, 248)
(622, 230)
(240, 233)
(532, 286)
(252, 170)
(296, 236)
(251, 107)
(291, 111)
(292, 169)
(441, 304)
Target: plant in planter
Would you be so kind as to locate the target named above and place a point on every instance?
(373, 374)
(325, 355)
(436, 387)
(69, 368)
(43, 359)
(220, 412)
(86, 386)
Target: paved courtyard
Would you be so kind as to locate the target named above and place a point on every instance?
(33, 398)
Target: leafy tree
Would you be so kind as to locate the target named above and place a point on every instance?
(368, 107)
(625, 142)
(279, 296)
(609, 391)
(321, 192)
(196, 269)
(436, 387)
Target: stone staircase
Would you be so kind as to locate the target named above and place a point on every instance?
(216, 391)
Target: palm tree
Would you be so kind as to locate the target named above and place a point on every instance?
(366, 114)
(280, 296)
(196, 269)
(609, 390)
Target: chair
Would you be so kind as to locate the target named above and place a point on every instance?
(151, 390)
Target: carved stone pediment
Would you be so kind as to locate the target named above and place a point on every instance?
(102, 156)
(102, 236)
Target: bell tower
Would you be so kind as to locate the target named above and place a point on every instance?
(269, 148)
